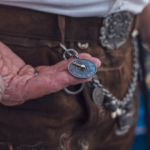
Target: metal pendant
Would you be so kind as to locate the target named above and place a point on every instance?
(79, 68)
(115, 30)
(98, 96)
(82, 68)
(123, 123)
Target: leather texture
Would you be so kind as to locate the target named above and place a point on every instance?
(61, 121)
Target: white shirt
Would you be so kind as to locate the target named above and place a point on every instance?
(80, 8)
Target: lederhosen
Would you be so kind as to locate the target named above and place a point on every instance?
(60, 121)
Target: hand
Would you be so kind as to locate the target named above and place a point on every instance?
(21, 83)
(145, 25)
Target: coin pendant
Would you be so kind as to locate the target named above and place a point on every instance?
(123, 123)
(98, 96)
(82, 68)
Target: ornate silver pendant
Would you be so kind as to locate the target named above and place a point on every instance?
(124, 123)
(115, 30)
(82, 68)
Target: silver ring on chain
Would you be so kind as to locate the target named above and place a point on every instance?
(76, 92)
(70, 50)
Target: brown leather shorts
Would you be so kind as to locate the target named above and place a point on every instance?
(62, 121)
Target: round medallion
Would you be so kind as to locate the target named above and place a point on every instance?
(98, 96)
(82, 68)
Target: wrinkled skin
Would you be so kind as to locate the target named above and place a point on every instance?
(21, 83)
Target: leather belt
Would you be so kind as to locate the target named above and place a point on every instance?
(85, 29)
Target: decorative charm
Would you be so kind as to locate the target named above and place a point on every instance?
(98, 96)
(121, 109)
(82, 68)
(115, 30)
(79, 68)
(113, 115)
(123, 123)
(118, 112)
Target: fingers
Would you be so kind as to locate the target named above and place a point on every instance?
(60, 81)
(54, 78)
(63, 65)
(96, 61)
(49, 84)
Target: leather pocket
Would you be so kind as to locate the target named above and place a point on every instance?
(116, 70)
(33, 51)
(116, 67)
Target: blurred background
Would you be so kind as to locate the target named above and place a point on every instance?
(142, 132)
(140, 142)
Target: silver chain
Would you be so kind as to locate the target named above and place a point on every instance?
(135, 71)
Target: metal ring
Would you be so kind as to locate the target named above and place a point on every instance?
(76, 92)
(69, 50)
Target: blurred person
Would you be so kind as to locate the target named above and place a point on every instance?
(36, 112)
(145, 34)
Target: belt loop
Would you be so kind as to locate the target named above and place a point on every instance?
(61, 23)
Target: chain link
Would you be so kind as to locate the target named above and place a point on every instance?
(131, 89)
(135, 70)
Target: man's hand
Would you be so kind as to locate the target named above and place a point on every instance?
(21, 83)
